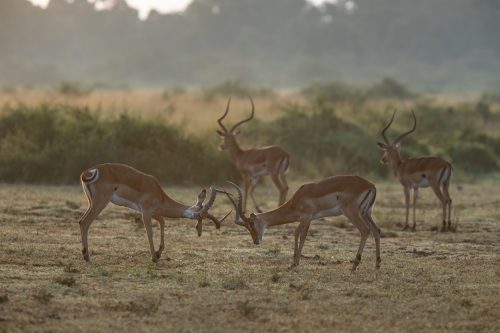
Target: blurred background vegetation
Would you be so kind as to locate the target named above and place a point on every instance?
(50, 136)
(80, 86)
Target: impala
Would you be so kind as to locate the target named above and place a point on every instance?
(416, 172)
(351, 196)
(128, 187)
(254, 163)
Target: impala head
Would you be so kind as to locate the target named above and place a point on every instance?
(228, 137)
(199, 212)
(392, 150)
(255, 224)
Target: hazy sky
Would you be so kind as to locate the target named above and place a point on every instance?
(162, 6)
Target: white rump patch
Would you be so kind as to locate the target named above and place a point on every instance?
(94, 175)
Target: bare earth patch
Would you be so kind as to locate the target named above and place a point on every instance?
(429, 281)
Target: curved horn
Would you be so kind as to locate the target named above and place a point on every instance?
(245, 120)
(213, 194)
(224, 116)
(230, 197)
(410, 131)
(386, 127)
(239, 207)
(216, 221)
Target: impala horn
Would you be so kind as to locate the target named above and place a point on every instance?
(410, 131)
(245, 120)
(239, 205)
(224, 116)
(386, 127)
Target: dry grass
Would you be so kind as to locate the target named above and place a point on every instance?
(190, 109)
(429, 281)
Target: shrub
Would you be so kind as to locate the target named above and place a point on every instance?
(320, 143)
(474, 157)
(54, 144)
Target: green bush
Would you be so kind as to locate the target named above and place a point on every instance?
(474, 157)
(54, 144)
(320, 143)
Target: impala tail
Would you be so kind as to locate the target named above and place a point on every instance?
(284, 165)
(89, 176)
(368, 201)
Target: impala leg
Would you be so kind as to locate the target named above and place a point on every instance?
(376, 235)
(442, 198)
(245, 198)
(161, 221)
(282, 187)
(449, 201)
(146, 218)
(96, 205)
(407, 204)
(94, 210)
(253, 182)
(300, 237)
(364, 231)
(415, 197)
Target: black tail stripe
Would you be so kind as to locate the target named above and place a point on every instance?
(364, 199)
(88, 180)
(442, 174)
(284, 160)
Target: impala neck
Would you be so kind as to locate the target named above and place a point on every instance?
(173, 209)
(396, 162)
(233, 148)
(278, 216)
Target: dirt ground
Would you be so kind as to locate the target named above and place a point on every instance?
(222, 282)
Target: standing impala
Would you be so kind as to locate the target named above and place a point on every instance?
(257, 162)
(416, 172)
(351, 196)
(128, 187)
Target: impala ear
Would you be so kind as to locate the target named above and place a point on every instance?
(381, 145)
(220, 133)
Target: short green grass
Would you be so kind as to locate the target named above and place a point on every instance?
(429, 281)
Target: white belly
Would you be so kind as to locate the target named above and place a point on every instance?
(424, 182)
(334, 211)
(258, 170)
(125, 203)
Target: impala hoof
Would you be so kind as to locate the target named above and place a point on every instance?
(85, 255)
(406, 227)
(158, 254)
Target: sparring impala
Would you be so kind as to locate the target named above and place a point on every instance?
(128, 187)
(351, 196)
(416, 172)
(254, 163)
